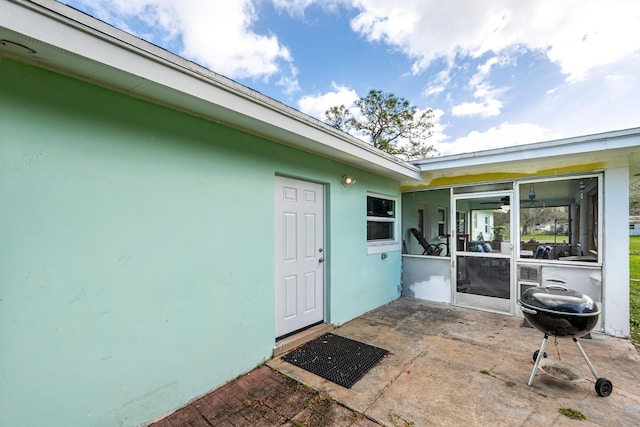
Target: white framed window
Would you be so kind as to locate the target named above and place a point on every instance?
(382, 224)
(562, 220)
(442, 222)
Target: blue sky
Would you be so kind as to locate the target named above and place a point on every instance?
(497, 73)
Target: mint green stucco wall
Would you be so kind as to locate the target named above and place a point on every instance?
(137, 257)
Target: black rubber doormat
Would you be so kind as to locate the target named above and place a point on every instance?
(337, 359)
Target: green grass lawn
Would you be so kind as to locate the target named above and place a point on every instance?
(634, 274)
(634, 245)
(550, 238)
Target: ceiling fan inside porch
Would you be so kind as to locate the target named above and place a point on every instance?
(504, 201)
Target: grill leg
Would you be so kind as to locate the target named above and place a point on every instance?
(538, 359)
(586, 359)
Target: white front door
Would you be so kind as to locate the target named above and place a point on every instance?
(299, 254)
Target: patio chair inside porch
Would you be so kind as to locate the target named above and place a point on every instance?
(429, 248)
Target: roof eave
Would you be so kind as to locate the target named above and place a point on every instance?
(77, 44)
(614, 140)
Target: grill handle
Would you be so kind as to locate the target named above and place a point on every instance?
(528, 310)
(555, 285)
(558, 287)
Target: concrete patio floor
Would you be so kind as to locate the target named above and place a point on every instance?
(447, 366)
(451, 366)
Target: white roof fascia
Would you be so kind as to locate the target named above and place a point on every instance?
(77, 44)
(621, 140)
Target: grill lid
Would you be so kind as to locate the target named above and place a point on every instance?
(558, 299)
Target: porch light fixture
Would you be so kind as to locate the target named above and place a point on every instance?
(347, 181)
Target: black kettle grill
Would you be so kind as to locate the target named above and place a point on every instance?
(562, 312)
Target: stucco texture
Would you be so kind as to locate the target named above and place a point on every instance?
(137, 265)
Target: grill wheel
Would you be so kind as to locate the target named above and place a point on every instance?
(604, 387)
(535, 355)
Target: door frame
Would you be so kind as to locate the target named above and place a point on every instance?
(323, 254)
(481, 302)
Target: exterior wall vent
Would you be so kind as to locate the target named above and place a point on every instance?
(529, 273)
(529, 276)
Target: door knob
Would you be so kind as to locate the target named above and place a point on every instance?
(321, 260)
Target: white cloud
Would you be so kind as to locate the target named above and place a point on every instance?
(581, 37)
(606, 101)
(489, 103)
(439, 83)
(316, 105)
(596, 45)
(296, 8)
(219, 36)
(504, 135)
(289, 82)
(215, 33)
(487, 108)
(575, 34)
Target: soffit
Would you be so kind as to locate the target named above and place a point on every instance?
(571, 155)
